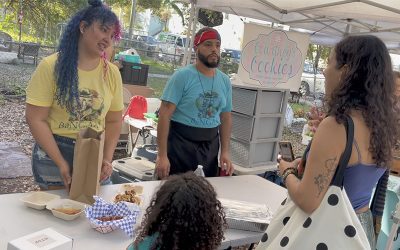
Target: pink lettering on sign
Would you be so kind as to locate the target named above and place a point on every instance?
(272, 58)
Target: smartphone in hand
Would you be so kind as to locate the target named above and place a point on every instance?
(286, 151)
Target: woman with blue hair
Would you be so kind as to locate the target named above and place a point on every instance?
(73, 89)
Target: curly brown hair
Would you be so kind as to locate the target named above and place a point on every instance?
(368, 86)
(184, 214)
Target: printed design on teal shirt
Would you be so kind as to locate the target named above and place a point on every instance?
(208, 104)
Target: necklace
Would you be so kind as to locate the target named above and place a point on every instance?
(208, 99)
(201, 83)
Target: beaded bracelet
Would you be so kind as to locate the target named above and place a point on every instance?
(288, 169)
(287, 172)
(279, 172)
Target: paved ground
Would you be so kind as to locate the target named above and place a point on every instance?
(14, 163)
(7, 57)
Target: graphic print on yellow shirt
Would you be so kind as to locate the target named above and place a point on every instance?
(98, 94)
(92, 105)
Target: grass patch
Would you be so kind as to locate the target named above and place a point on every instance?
(300, 106)
(158, 68)
(300, 109)
(157, 84)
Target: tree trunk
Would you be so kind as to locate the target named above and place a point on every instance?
(316, 63)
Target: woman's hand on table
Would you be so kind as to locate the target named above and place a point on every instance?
(106, 170)
(226, 164)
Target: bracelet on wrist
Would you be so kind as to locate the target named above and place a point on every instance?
(285, 177)
(284, 171)
(289, 169)
(288, 172)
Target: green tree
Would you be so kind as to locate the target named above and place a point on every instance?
(166, 8)
(150, 4)
(40, 17)
(161, 8)
(141, 4)
(315, 53)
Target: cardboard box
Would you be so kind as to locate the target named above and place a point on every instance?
(46, 239)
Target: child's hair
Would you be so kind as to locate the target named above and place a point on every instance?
(66, 68)
(184, 214)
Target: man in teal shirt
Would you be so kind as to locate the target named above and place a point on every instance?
(195, 114)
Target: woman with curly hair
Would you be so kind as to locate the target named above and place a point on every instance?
(359, 83)
(397, 79)
(73, 89)
(183, 214)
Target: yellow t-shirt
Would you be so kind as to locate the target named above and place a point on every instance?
(98, 94)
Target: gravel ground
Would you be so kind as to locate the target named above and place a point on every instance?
(13, 127)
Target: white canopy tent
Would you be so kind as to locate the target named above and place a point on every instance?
(327, 21)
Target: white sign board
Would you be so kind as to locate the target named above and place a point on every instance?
(272, 58)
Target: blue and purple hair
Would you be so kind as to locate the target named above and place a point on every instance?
(66, 68)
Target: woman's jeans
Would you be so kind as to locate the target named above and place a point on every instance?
(45, 171)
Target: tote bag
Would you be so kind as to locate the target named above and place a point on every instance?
(333, 225)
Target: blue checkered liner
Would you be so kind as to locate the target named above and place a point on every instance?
(102, 208)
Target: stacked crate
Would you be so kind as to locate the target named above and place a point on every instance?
(258, 115)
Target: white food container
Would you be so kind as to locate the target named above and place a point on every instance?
(38, 200)
(67, 205)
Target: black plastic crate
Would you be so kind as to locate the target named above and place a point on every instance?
(134, 73)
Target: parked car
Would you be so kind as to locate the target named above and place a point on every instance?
(234, 54)
(147, 43)
(307, 81)
(230, 60)
(171, 47)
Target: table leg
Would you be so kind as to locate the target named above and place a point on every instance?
(133, 141)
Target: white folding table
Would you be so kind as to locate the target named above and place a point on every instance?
(16, 220)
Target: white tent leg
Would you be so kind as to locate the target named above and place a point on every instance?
(188, 33)
(194, 25)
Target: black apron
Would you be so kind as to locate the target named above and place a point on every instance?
(190, 146)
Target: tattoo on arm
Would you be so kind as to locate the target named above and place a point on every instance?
(322, 180)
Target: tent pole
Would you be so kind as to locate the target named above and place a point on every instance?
(192, 8)
(194, 25)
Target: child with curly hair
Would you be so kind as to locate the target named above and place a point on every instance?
(183, 214)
